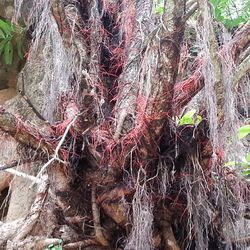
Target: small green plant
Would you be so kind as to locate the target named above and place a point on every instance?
(246, 171)
(245, 164)
(11, 41)
(243, 131)
(190, 118)
(55, 247)
(159, 7)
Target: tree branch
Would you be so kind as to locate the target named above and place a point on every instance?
(191, 11)
(24, 133)
(184, 91)
(242, 69)
(24, 175)
(241, 39)
(10, 165)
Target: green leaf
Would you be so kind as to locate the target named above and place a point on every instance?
(2, 35)
(159, 10)
(198, 119)
(52, 247)
(230, 14)
(55, 247)
(6, 27)
(11, 26)
(190, 118)
(243, 131)
(8, 53)
(11, 40)
(246, 172)
(231, 163)
(60, 242)
(248, 157)
(187, 118)
(237, 164)
(2, 44)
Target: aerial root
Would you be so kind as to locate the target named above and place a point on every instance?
(24, 226)
(100, 237)
(56, 154)
(34, 214)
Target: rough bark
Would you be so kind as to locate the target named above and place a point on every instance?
(96, 131)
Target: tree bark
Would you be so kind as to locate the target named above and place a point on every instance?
(102, 162)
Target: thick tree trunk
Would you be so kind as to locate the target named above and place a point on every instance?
(98, 159)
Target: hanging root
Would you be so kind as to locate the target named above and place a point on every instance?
(142, 230)
(199, 209)
(57, 60)
(232, 146)
(210, 70)
(122, 45)
(218, 204)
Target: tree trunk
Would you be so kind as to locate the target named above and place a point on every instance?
(94, 153)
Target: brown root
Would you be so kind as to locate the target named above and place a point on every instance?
(99, 231)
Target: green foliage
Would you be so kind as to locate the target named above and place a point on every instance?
(245, 164)
(246, 171)
(243, 131)
(191, 118)
(55, 247)
(11, 40)
(230, 12)
(159, 8)
(248, 157)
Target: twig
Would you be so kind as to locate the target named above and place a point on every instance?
(55, 157)
(24, 133)
(191, 11)
(10, 165)
(26, 176)
(64, 136)
(45, 166)
(190, 4)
